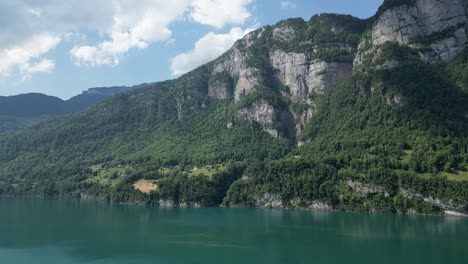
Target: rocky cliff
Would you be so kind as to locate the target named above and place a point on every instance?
(307, 59)
(293, 63)
(436, 29)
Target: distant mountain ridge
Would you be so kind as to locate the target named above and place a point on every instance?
(19, 111)
(108, 91)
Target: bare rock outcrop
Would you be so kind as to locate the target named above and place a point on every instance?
(365, 189)
(438, 28)
(269, 200)
(247, 80)
(284, 33)
(231, 63)
(219, 90)
(303, 76)
(304, 119)
(262, 113)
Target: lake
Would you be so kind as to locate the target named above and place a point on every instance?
(34, 230)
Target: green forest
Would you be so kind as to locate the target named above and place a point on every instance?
(400, 135)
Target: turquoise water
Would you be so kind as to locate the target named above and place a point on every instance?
(36, 230)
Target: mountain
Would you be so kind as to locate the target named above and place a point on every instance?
(331, 113)
(19, 111)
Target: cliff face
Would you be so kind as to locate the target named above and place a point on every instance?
(304, 76)
(437, 29)
(300, 60)
(291, 69)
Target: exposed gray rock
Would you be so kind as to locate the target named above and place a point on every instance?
(248, 39)
(446, 205)
(394, 100)
(166, 203)
(234, 64)
(327, 75)
(190, 204)
(303, 77)
(179, 107)
(219, 90)
(269, 200)
(455, 213)
(248, 79)
(318, 205)
(284, 33)
(449, 48)
(366, 188)
(231, 63)
(245, 178)
(262, 113)
(304, 119)
(338, 47)
(443, 22)
(293, 70)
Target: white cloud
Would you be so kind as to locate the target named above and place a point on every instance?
(287, 4)
(44, 66)
(206, 48)
(24, 56)
(136, 25)
(30, 29)
(218, 13)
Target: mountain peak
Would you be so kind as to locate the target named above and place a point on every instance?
(436, 29)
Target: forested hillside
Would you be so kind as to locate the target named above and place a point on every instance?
(331, 113)
(20, 111)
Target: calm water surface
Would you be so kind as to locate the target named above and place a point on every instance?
(74, 231)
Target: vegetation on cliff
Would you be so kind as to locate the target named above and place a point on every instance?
(385, 139)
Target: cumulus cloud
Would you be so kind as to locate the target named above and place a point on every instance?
(139, 24)
(217, 13)
(120, 25)
(30, 29)
(206, 48)
(287, 4)
(26, 58)
(43, 66)
(136, 25)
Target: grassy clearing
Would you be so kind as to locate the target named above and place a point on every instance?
(208, 170)
(145, 186)
(456, 176)
(425, 175)
(108, 175)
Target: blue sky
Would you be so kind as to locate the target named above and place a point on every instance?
(61, 48)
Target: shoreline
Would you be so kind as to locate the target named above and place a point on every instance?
(454, 213)
(447, 213)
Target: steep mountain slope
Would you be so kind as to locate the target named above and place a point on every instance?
(19, 111)
(335, 112)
